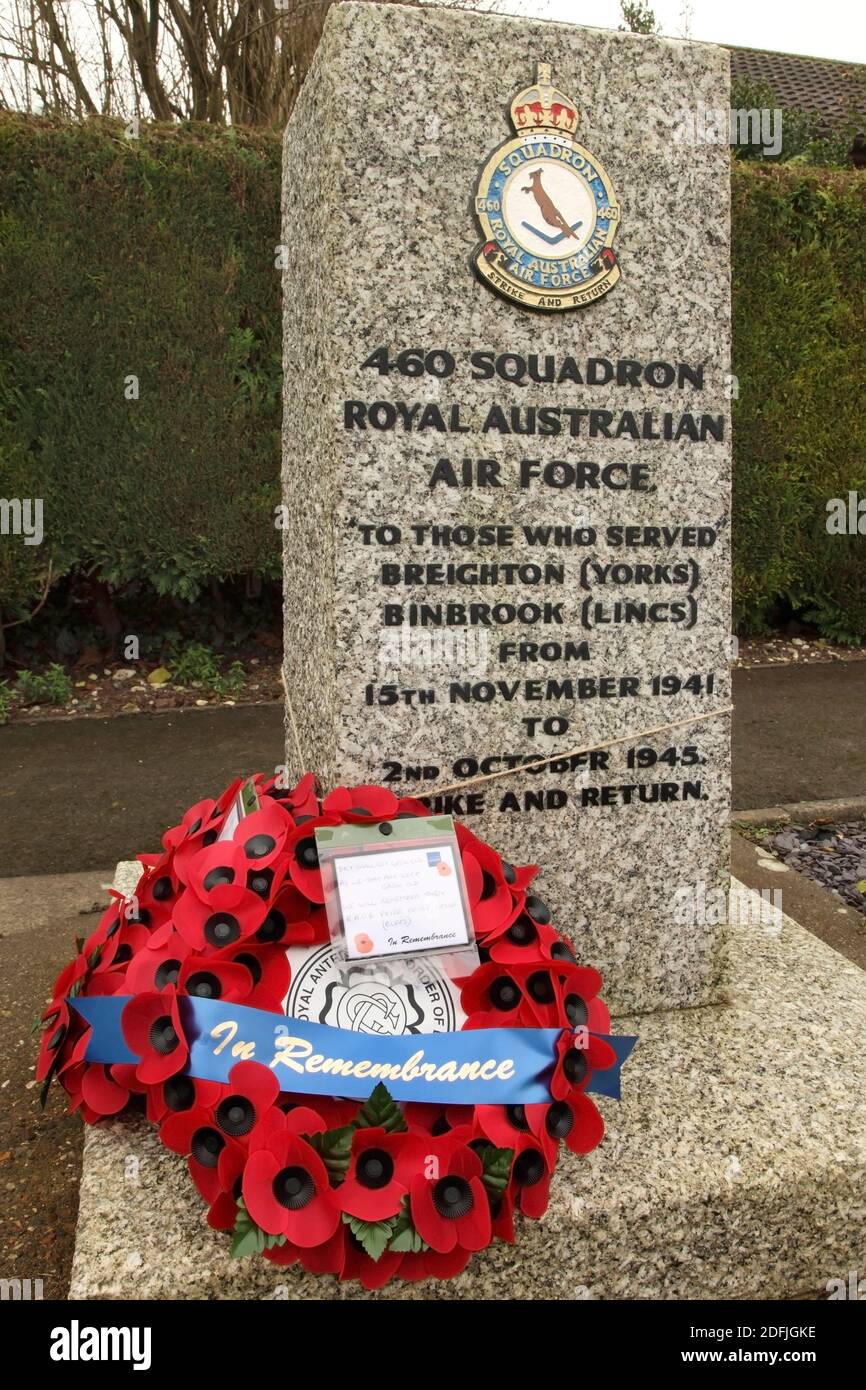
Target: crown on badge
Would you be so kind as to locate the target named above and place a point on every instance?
(543, 107)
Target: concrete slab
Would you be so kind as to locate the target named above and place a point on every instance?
(734, 1167)
(40, 899)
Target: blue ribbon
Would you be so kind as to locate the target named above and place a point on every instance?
(507, 1066)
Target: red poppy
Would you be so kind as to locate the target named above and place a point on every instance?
(503, 1125)
(269, 971)
(381, 1168)
(531, 1171)
(70, 1074)
(524, 940)
(208, 977)
(55, 1028)
(153, 1031)
(261, 836)
(224, 1206)
(325, 1112)
(431, 1264)
(100, 1092)
(217, 874)
(357, 804)
(537, 994)
(330, 1256)
(156, 891)
(68, 978)
(250, 1094)
(356, 1264)
(303, 855)
(287, 920)
(300, 800)
(195, 1134)
(490, 897)
(204, 829)
(436, 1119)
(574, 1120)
(159, 963)
(283, 1255)
(120, 949)
(193, 822)
(231, 915)
(287, 1192)
(177, 1094)
(448, 1201)
(578, 1054)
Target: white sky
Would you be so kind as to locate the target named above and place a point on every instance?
(829, 29)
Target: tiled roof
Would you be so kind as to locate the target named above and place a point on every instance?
(835, 90)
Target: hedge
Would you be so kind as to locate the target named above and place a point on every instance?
(154, 257)
(799, 348)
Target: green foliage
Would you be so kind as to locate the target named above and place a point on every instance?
(334, 1147)
(638, 16)
(196, 664)
(5, 702)
(54, 688)
(381, 1111)
(404, 1237)
(373, 1236)
(799, 429)
(151, 258)
(497, 1169)
(248, 1238)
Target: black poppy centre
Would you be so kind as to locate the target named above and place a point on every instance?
(206, 1147)
(293, 1188)
(236, 1115)
(375, 1168)
(221, 929)
(163, 1036)
(452, 1197)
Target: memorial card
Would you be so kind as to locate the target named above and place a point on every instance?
(395, 895)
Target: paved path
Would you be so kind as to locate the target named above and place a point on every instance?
(799, 734)
(82, 794)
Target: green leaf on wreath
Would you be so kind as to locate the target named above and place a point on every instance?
(248, 1238)
(497, 1168)
(373, 1236)
(245, 1242)
(381, 1111)
(334, 1147)
(405, 1238)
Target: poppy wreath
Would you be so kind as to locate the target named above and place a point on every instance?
(368, 1191)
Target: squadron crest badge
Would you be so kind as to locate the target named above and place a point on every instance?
(547, 208)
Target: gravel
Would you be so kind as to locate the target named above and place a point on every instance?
(832, 855)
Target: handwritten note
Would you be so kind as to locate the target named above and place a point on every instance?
(401, 901)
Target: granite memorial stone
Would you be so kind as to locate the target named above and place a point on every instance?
(507, 457)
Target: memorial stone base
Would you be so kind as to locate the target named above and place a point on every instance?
(733, 1167)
